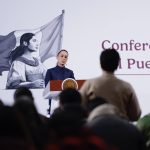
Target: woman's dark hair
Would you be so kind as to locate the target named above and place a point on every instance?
(23, 91)
(61, 51)
(21, 48)
(70, 96)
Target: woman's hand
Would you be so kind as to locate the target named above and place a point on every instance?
(38, 83)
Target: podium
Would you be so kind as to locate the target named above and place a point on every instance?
(54, 87)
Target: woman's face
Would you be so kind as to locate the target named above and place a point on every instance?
(33, 44)
(62, 58)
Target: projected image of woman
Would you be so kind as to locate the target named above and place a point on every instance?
(26, 70)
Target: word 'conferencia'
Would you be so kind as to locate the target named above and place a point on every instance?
(131, 46)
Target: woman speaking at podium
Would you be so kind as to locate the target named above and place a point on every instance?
(59, 72)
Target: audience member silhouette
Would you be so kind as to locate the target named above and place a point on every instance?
(114, 90)
(70, 116)
(95, 102)
(104, 109)
(24, 104)
(13, 134)
(116, 131)
(144, 125)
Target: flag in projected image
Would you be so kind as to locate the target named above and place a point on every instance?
(49, 36)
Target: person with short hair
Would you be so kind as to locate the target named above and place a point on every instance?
(69, 96)
(116, 91)
(23, 93)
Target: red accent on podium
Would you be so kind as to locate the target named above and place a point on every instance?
(55, 85)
